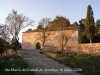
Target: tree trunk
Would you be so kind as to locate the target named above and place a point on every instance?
(90, 40)
(0, 54)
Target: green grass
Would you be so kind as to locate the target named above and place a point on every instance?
(17, 66)
(90, 64)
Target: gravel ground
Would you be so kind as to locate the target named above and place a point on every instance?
(42, 65)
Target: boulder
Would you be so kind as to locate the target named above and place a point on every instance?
(8, 52)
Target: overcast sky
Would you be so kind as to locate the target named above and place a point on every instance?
(74, 10)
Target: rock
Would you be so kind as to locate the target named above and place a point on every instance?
(11, 59)
(2, 60)
(8, 52)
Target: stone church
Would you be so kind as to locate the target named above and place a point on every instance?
(53, 38)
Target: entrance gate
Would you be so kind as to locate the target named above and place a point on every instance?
(38, 46)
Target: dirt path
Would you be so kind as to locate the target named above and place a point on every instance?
(43, 65)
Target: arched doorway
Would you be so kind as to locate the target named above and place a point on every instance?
(38, 46)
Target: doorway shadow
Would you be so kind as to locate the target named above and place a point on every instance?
(38, 45)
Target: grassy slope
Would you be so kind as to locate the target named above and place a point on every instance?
(90, 64)
(16, 64)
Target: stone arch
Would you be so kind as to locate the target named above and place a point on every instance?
(38, 45)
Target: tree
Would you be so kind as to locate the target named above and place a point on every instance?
(15, 44)
(97, 26)
(75, 23)
(4, 38)
(4, 34)
(89, 29)
(82, 26)
(60, 21)
(16, 23)
(63, 37)
(1, 46)
(29, 29)
(39, 27)
(44, 33)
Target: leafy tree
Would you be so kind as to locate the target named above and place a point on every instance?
(89, 29)
(97, 26)
(81, 31)
(60, 21)
(75, 23)
(29, 29)
(82, 26)
(39, 27)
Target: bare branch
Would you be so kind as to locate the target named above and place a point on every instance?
(44, 31)
(17, 22)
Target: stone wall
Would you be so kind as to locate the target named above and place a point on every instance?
(30, 39)
(93, 48)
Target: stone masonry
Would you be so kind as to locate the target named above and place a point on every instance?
(32, 38)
